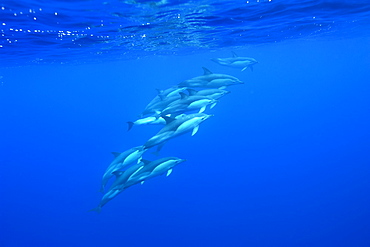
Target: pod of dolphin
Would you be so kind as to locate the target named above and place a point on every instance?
(180, 109)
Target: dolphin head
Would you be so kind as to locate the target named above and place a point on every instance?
(205, 117)
(253, 61)
(178, 161)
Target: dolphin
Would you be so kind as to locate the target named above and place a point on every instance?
(137, 174)
(121, 161)
(168, 95)
(189, 103)
(155, 119)
(170, 92)
(106, 198)
(154, 168)
(123, 176)
(116, 187)
(236, 62)
(177, 127)
(212, 93)
(157, 106)
(211, 80)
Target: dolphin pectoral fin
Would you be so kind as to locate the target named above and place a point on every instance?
(251, 67)
(169, 172)
(244, 68)
(142, 182)
(139, 160)
(116, 154)
(195, 130)
(202, 109)
(213, 105)
(234, 54)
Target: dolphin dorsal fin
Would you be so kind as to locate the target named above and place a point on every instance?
(145, 161)
(168, 119)
(116, 154)
(234, 54)
(117, 173)
(206, 71)
(192, 91)
(183, 95)
(161, 96)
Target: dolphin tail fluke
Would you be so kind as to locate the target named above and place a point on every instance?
(130, 124)
(97, 209)
(101, 189)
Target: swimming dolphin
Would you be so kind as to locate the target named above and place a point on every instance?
(236, 62)
(177, 127)
(138, 173)
(170, 92)
(115, 189)
(158, 106)
(210, 80)
(154, 168)
(106, 198)
(189, 103)
(123, 176)
(155, 119)
(121, 161)
(212, 93)
(167, 96)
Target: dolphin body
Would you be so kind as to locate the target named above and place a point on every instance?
(236, 62)
(176, 127)
(210, 80)
(121, 161)
(163, 98)
(155, 119)
(121, 178)
(170, 92)
(154, 168)
(159, 105)
(137, 174)
(189, 103)
(212, 93)
(106, 198)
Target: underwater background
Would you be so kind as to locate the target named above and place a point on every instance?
(284, 161)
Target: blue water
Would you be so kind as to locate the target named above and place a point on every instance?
(285, 161)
